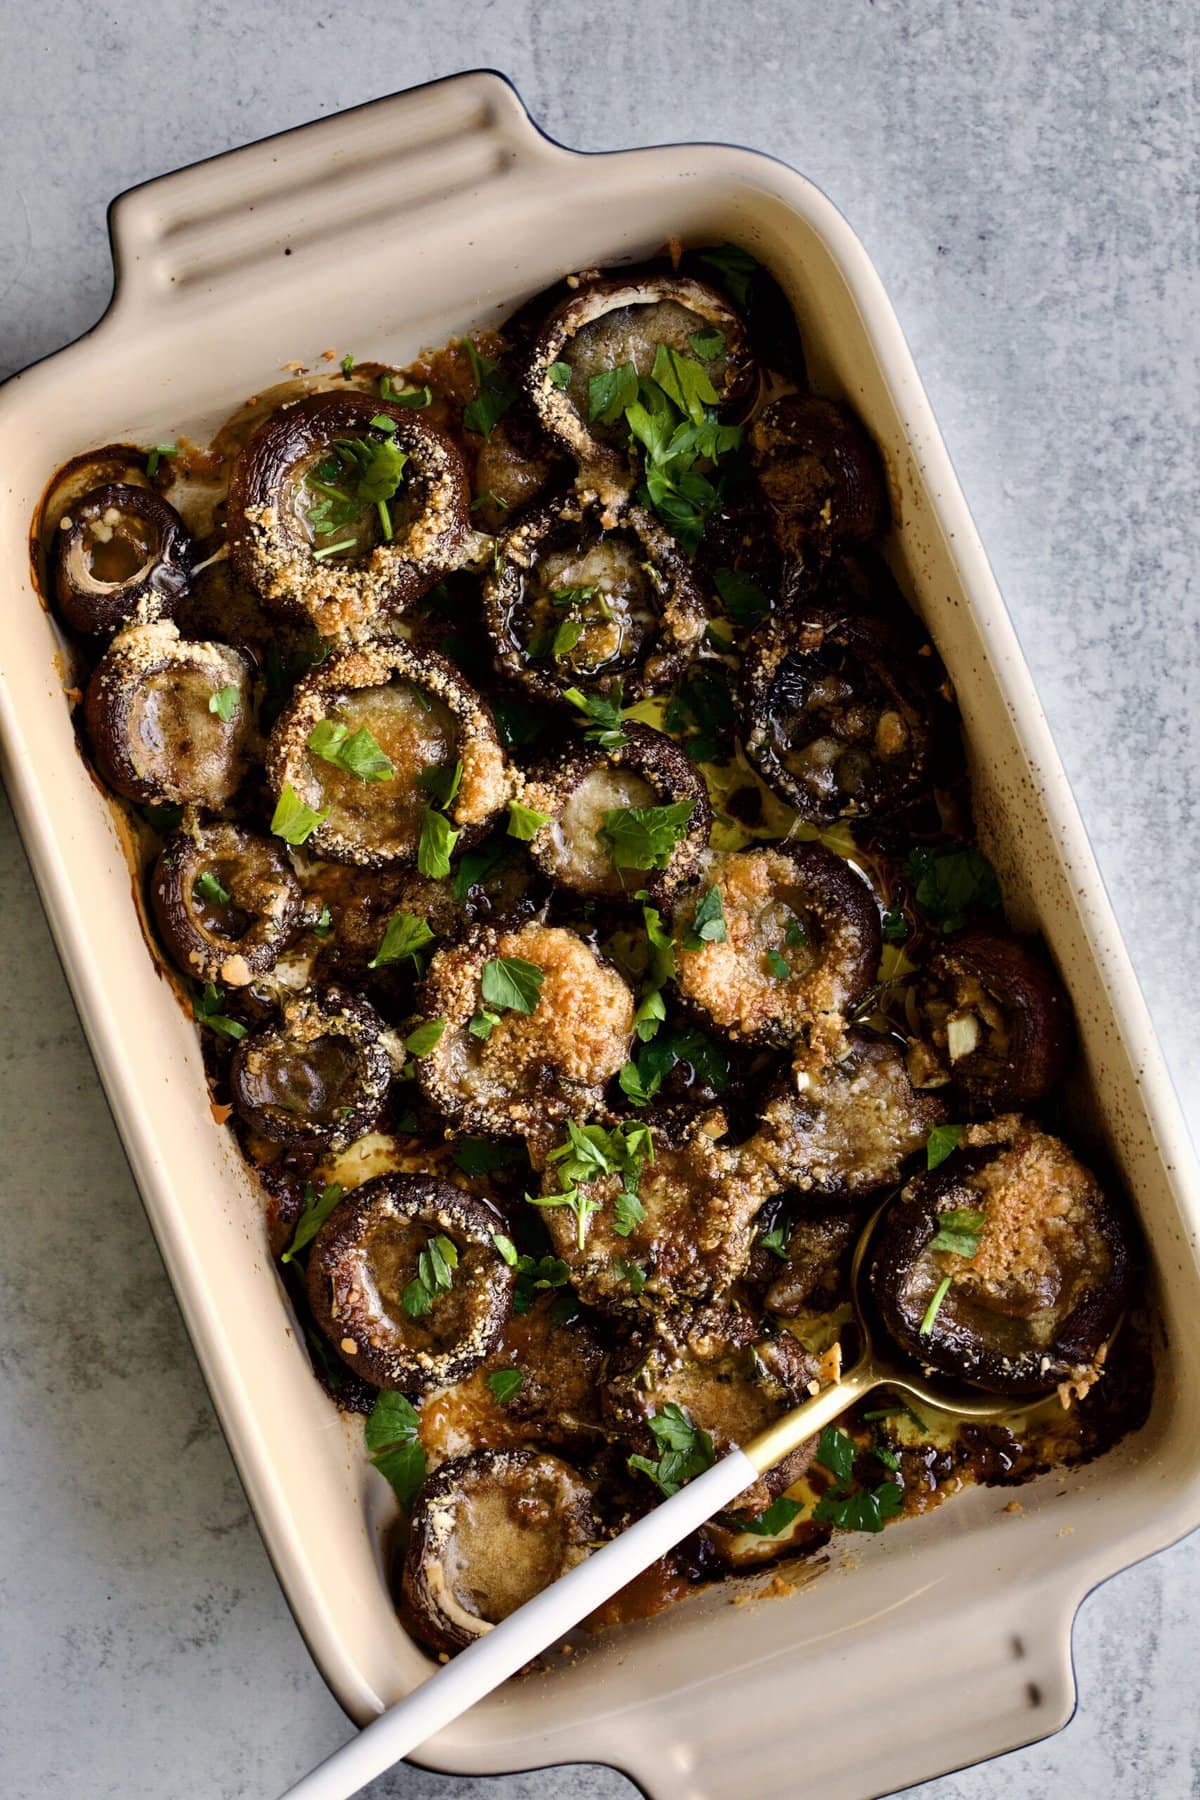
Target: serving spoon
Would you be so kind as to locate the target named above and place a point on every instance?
(540, 1622)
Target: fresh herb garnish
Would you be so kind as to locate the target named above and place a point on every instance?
(628, 1213)
(631, 1273)
(424, 1038)
(404, 935)
(778, 966)
(645, 837)
(686, 1451)
(157, 454)
(394, 1444)
(942, 1140)
(347, 362)
(504, 1383)
(438, 839)
(736, 268)
(417, 397)
(324, 924)
(435, 1275)
(317, 1208)
(524, 822)
(162, 818)
(494, 393)
(534, 1274)
(794, 932)
(702, 712)
(959, 1230)
(482, 1023)
(510, 982)
(604, 712)
(708, 924)
(776, 1240)
(488, 498)
(772, 1523)
(610, 392)
(442, 781)
(224, 702)
(836, 1452)
(934, 1307)
(206, 1010)
(744, 601)
(356, 752)
(641, 1078)
(894, 925)
(948, 883)
(292, 820)
(866, 1509)
(559, 374)
(708, 344)
(207, 887)
(354, 475)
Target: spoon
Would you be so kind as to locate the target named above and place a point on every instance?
(507, 1647)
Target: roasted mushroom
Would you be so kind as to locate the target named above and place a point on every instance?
(575, 600)
(618, 820)
(535, 1025)
(993, 1019)
(629, 321)
(821, 476)
(405, 1281)
(685, 1236)
(376, 740)
(844, 1130)
(717, 1367)
(226, 902)
(515, 465)
(776, 943)
(123, 557)
(839, 715)
(344, 507)
(489, 1531)
(812, 1258)
(317, 1078)
(1007, 1267)
(170, 722)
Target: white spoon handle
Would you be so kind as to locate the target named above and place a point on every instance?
(457, 1685)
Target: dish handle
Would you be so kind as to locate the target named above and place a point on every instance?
(331, 191)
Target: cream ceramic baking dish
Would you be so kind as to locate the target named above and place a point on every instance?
(382, 230)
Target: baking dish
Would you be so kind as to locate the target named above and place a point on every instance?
(379, 231)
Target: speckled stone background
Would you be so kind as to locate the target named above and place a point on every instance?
(1025, 177)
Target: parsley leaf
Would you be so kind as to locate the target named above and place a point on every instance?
(494, 393)
(935, 1305)
(645, 837)
(959, 1230)
(438, 839)
(772, 1523)
(867, 1510)
(424, 1038)
(224, 702)
(324, 924)
(610, 392)
(442, 782)
(435, 1275)
(604, 712)
(206, 1010)
(559, 374)
(510, 982)
(835, 1452)
(942, 1140)
(481, 1024)
(292, 820)
(948, 883)
(504, 1383)
(417, 397)
(744, 601)
(394, 1445)
(157, 454)
(684, 381)
(628, 1212)
(354, 751)
(641, 1078)
(778, 966)
(776, 1240)
(631, 1273)
(207, 887)
(708, 344)
(317, 1208)
(524, 822)
(686, 1451)
(708, 924)
(736, 268)
(403, 936)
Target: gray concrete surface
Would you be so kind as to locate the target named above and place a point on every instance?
(1025, 177)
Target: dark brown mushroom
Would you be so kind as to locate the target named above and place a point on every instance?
(514, 467)
(319, 1077)
(405, 1281)
(993, 1019)
(226, 903)
(622, 320)
(844, 1130)
(716, 1365)
(813, 1258)
(576, 600)
(344, 508)
(776, 943)
(170, 722)
(489, 1531)
(413, 708)
(123, 557)
(839, 714)
(504, 1071)
(582, 788)
(1007, 1267)
(820, 474)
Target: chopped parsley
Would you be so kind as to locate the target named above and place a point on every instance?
(702, 713)
(948, 883)
(356, 752)
(603, 712)
(628, 1213)
(479, 1156)
(534, 1274)
(779, 1515)
(417, 397)
(494, 393)
(504, 1383)
(708, 344)
(744, 601)
(435, 1275)
(207, 887)
(347, 362)
(224, 702)
(317, 1208)
(846, 1504)
(794, 932)
(292, 820)
(324, 924)
(157, 454)
(394, 1444)
(645, 837)
(559, 374)
(524, 822)
(610, 392)
(404, 935)
(685, 1450)
(424, 1038)
(778, 966)
(631, 1273)
(206, 1010)
(708, 924)
(442, 782)
(736, 269)
(959, 1230)
(776, 1240)
(894, 925)
(935, 1306)
(438, 838)
(641, 1078)
(942, 1140)
(354, 475)
(508, 982)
